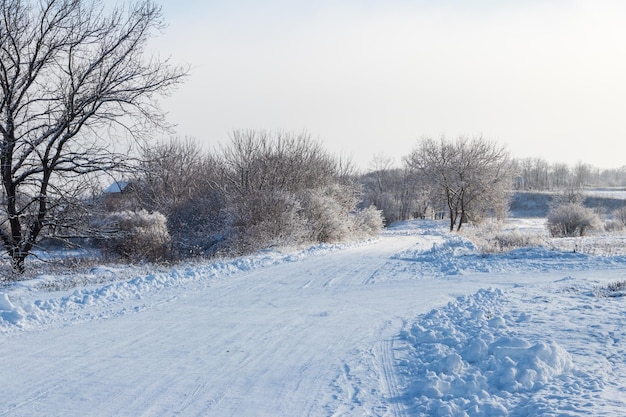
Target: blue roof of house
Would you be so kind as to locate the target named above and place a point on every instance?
(116, 187)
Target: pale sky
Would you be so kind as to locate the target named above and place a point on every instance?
(544, 78)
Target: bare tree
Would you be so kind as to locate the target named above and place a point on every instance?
(533, 173)
(172, 173)
(265, 175)
(582, 175)
(258, 160)
(471, 177)
(560, 176)
(72, 75)
(180, 180)
(394, 191)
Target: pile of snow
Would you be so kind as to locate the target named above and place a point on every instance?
(9, 313)
(466, 359)
(520, 353)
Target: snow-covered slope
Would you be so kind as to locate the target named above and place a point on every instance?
(415, 323)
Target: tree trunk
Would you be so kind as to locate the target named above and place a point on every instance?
(452, 220)
(17, 263)
(462, 220)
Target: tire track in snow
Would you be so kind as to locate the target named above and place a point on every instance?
(37, 395)
(384, 351)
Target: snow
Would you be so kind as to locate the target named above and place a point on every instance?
(617, 193)
(414, 323)
(474, 358)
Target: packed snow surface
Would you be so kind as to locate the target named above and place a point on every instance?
(414, 323)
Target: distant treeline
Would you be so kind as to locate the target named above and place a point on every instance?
(538, 174)
(404, 193)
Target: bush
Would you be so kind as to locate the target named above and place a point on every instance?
(514, 239)
(137, 235)
(262, 190)
(368, 222)
(614, 226)
(265, 219)
(572, 219)
(612, 289)
(620, 215)
(198, 226)
(327, 212)
(490, 238)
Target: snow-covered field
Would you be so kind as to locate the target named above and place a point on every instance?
(414, 323)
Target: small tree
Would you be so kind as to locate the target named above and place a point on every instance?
(72, 76)
(469, 177)
(571, 219)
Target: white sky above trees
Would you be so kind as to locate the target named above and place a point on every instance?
(545, 78)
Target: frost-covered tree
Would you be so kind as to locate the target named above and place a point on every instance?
(582, 175)
(470, 177)
(73, 75)
(258, 160)
(533, 173)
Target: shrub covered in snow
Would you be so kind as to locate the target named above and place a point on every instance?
(490, 238)
(263, 189)
(508, 240)
(137, 235)
(571, 219)
(265, 219)
(368, 222)
(327, 212)
(612, 289)
(284, 189)
(198, 226)
(620, 215)
(614, 226)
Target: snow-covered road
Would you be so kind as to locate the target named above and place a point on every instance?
(266, 342)
(309, 335)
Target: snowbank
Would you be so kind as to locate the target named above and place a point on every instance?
(466, 359)
(492, 355)
(22, 306)
(458, 256)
